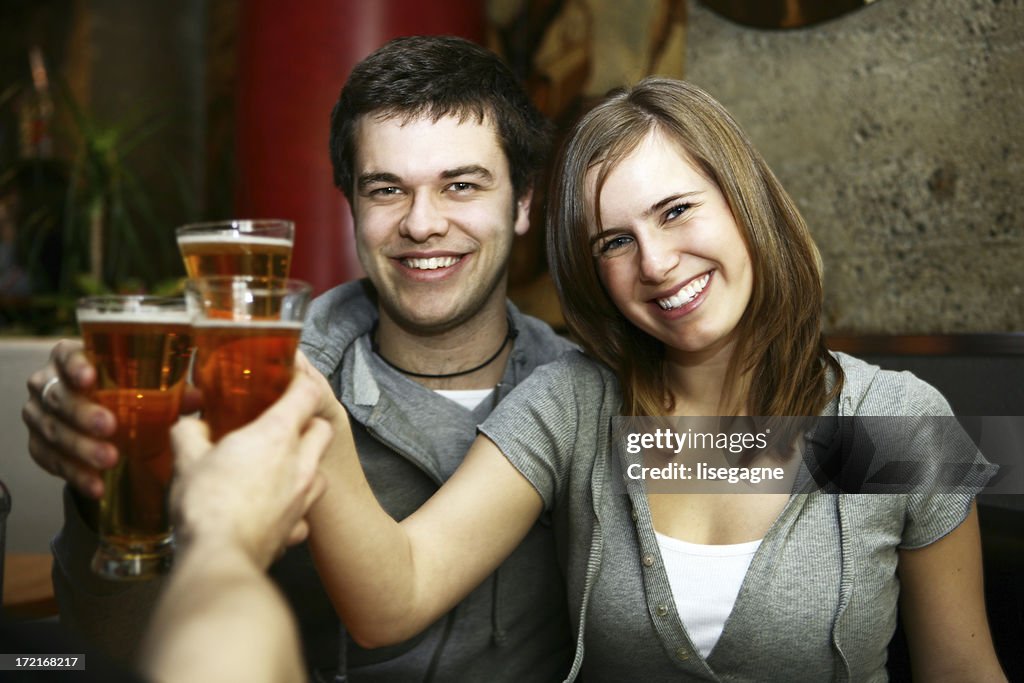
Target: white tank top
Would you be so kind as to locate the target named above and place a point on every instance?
(705, 581)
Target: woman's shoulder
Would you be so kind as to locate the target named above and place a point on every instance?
(870, 390)
(576, 367)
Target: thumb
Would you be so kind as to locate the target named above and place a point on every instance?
(190, 439)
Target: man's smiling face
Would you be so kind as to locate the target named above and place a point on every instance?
(435, 215)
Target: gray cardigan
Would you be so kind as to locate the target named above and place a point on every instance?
(819, 600)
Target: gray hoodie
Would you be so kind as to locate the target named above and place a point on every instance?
(818, 602)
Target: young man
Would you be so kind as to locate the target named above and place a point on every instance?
(436, 146)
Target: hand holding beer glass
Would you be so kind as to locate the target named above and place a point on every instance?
(247, 331)
(140, 347)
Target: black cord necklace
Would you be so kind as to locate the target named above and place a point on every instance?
(510, 336)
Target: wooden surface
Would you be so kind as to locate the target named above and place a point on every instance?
(28, 590)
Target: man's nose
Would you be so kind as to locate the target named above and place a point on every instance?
(424, 218)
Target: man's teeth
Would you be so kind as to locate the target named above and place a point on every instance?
(432, 263)
(686, 294)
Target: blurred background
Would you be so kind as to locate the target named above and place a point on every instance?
(896, 125)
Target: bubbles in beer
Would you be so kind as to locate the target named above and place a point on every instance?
(235, 254)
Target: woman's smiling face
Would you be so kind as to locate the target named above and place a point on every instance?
(668, 250)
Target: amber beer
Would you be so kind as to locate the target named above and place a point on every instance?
(242, 368)
(247, 331)
(140, 347)
(256, 247)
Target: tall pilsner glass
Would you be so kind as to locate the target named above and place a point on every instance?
(237, 247)
(247, 330)
(141, 348)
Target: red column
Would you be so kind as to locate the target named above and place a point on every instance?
(293, 60)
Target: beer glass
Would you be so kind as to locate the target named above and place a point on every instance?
(237, 247)
(247, 330)
(140, 347)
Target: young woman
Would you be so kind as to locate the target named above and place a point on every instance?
(695, 288)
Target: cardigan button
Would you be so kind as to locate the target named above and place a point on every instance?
(682, 653)
(648, 560)
(661, 610)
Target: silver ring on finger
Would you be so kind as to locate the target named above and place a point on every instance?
(50, 384)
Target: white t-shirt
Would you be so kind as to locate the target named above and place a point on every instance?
(467, 398)
(705, 581)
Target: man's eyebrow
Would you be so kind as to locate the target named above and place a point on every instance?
(471, 170)
(379, 177)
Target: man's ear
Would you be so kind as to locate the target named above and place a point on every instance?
(522, 221)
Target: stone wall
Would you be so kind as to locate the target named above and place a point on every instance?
(898, 131)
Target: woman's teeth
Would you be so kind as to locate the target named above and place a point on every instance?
(686, 294)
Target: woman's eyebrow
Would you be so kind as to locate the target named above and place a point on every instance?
(599, 236)
(658, 206)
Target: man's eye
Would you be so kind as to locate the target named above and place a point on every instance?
(461, 187)
(384, 191)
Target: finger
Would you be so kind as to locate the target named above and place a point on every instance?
(302, 363)
(75, 409)
(71, 362)
(312, 446)
(191, 400)
(299, 533)
(84, 478)
(316, 489)
(51, 439)
(190, 440)
(295, 407)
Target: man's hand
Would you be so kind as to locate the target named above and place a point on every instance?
(68, 431)
(251, 490)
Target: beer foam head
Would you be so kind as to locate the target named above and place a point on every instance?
(142, 317)
(259, 323)
(232, 237)
(133, 309)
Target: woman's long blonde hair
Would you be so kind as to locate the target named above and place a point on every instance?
(780, 348)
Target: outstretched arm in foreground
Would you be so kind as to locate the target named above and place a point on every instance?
(387, 580)
(236, 505)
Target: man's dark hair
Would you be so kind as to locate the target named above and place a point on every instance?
(439, 76)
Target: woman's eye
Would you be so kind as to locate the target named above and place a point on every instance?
(677, 211)
(614, 243)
